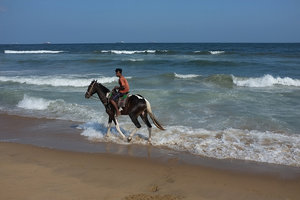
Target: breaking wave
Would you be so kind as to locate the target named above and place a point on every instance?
(186, 76)
(33, 103)
(56, 81)
(56, 109)
(260, 82)
(268, 147)
(265, 81)
(167, 52)
(128, 52)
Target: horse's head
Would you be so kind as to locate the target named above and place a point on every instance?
(100, 89)
(91, 89)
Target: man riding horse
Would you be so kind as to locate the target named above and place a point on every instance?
(135, 106)
(122, 90)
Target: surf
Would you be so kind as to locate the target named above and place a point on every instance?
(56, 81)
(265, 81)
(229, 143)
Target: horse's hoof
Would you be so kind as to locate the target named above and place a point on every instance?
(149, 141)
(129, 139)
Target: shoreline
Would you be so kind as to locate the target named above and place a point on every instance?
(63, 135)
(128, 172)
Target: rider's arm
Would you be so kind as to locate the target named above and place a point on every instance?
(122, 83)
(121, 87)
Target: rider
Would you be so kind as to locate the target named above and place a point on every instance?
(122, 90)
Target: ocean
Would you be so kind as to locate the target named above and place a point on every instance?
(219, 100)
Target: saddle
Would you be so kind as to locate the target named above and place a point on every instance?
(122, 100)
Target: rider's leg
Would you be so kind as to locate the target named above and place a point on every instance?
(113, 102)
(116, 107)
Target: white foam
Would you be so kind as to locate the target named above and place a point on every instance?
(269, 147)
(186, 76)
(265, 81)
(216, 52)
(56, 81)
(231, 143)
(93, 131)
(31, 52)
(34, 103)
(127, 52)
(96, 131)
(59, 109)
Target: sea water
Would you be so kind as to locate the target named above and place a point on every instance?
(236, 101)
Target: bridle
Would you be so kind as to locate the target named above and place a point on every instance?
(90, 90)
(95, 98)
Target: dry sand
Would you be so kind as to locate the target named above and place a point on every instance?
(30, 172)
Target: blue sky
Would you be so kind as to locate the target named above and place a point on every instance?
(97, 21)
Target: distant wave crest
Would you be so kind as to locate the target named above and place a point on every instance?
(208, 52)
(31, 52)
(186, 76)
(56, 81)
(128, 52)
(159, 52)
(265, 81)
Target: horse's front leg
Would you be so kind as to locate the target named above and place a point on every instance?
(118, 127)
(108, 127)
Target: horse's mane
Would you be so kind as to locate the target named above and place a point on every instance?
(103, 88)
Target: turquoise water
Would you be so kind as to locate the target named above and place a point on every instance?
(218, 100)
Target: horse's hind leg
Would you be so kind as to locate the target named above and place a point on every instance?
(144, 117)
(134, 119)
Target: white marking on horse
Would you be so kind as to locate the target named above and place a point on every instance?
(118, 129)
(139, 96)
(108, 129)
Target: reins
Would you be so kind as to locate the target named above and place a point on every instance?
(94, 98)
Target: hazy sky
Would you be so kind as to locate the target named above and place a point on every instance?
(97, 21)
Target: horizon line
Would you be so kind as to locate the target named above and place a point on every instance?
(50, 43)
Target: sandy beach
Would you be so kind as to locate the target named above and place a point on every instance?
(31, 172)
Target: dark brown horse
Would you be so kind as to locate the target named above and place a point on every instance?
(135, 106)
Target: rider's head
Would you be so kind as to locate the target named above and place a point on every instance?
(118, 71)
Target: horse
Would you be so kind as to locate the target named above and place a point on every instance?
(135, 106)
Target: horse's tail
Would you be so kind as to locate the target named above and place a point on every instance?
(155, 121)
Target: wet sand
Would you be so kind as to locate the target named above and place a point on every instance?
(31, 172)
